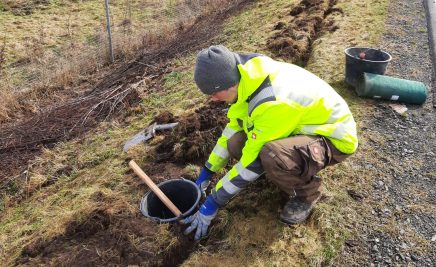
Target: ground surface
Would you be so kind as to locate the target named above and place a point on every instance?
(402, 192)
(91, 199)
(105, 237)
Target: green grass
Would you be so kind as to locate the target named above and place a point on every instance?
(422, 30)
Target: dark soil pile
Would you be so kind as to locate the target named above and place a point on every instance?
(194, 137)
(293, 39)
(105, 239)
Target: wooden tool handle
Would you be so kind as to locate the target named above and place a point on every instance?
(155, 189)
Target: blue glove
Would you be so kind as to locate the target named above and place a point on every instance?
(201, 220)
(203, 179)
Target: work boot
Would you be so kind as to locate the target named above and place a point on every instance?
(296, 210)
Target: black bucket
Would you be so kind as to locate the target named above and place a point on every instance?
(371, 61)
(183, 193)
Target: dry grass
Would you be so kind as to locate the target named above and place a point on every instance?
(44, 63)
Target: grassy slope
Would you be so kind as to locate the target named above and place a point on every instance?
(63, 42)
(242, 235)
(61, 22)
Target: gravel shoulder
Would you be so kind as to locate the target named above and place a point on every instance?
(398, 223)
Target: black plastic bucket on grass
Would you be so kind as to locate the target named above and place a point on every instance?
(373, 61)
(184, 194)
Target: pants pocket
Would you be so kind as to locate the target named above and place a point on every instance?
(313, 157)
(278, 160)
(282, 164)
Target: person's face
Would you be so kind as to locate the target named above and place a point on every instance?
(229, 95)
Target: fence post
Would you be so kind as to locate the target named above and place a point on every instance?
(108, 22)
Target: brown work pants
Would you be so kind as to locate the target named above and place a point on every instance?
(291, 163)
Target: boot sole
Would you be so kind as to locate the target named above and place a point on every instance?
(291, 222)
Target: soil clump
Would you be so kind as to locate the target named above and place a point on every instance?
(194, 137)
(293, 39)
(105, 239)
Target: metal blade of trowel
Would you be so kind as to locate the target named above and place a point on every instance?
(147, 134)
(138, 138)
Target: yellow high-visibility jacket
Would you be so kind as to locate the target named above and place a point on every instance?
(277, 100)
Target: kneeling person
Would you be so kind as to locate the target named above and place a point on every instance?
(284, 122)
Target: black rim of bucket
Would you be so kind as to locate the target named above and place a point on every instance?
(144, 200)
(346, 51)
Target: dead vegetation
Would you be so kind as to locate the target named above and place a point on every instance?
(2, 56)
(20, 143)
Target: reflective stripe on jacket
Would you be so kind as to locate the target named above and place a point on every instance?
(277, 100)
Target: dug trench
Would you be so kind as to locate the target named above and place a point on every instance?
(108, 236)
(294, 35)
(107, 239)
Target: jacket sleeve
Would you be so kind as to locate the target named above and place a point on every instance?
(219, 156)
(266, 127)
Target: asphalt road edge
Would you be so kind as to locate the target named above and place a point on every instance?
(430, 6)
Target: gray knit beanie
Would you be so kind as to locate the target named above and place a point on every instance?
(216, 69)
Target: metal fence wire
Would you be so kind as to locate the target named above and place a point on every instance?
(49, 42)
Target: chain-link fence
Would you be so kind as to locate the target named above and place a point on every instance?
(52, 45)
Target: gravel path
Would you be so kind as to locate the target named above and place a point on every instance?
(411, 192)
(399, 228)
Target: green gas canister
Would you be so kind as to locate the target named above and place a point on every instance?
(390, 88)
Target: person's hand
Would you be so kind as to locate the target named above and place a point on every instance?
(203, 179)
(201, 220)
